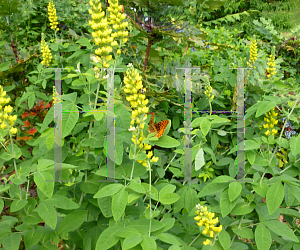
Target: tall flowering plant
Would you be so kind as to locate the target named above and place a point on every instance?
(138, 102)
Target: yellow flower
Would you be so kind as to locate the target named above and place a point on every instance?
(6, 120)
(208, 89)
(204, 218)
(52, 16)
(253, 52)
(46, 53)
(154, 159)
(133, 87)
(149, 155)
(102, 33)
(271, 63)
(207, 242)
(271, 121)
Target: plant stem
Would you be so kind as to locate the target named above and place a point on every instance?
(194, 239)
(147, 54)
(150, 198)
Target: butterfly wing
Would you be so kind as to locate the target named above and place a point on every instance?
(161, 127)
(152, 128)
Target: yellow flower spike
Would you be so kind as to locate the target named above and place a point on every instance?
(47, 57)
(270, 122)
(52, 16)
(4, 114)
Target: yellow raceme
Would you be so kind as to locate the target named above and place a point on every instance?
(208, 89)
(134, 89)
(271, 121)
(6, 121)
(253, 52)
(103, 33)
(271, 63)
(52, 16)
(46, 53)
(205, 218)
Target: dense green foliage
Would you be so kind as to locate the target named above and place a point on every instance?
(258, 211)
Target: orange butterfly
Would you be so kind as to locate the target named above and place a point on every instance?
(158, 128)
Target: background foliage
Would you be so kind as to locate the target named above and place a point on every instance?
(87, 214)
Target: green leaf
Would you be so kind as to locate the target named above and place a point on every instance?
(119, 149)
(69, 119)
(108, 238)
(224, 239)
(31, 100)
(295, 145)
(289, 197)
(153, 194)
(295, 191)
(48, 214)
(167, 199)
(169, 188)
(1, 205)
(261, 189)
(46, 187)
(148, 243)
(141, 156)
(212, 188)
(11, 241)
(105, 206)
(136, 187)
(290, 212)
(222, 179)
(168, 224)
(131, 241)
(32, 238)
(243, 232)
(63, 202)
(175, 247)
(6, 156)
(250, 144)
(199, 159)
(126, 231)
(119, 203)
(49, 246)
(190, 200)
(264, 107)
(205, 126)
(50, 140)
(108, 190)
(225, 204)
(91, 186)
(275, 195)
(281, 229)
(263, 237)
(72, 221)
(168, 238)
(264, 215)
(16, 205)
(167, 142)
(241, 209)
(142, 225)
(234, 190)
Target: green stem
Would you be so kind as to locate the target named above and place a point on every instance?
(167, 166)
(240, 223)
(195, 239)
(150, 197)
